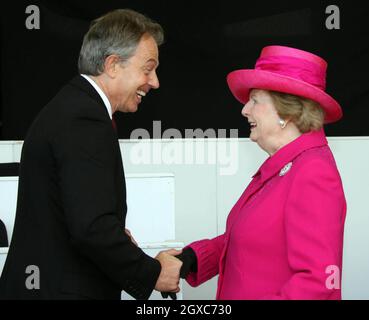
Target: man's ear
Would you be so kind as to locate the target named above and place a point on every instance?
(111, 65)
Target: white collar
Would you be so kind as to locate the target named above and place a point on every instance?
(101, 93)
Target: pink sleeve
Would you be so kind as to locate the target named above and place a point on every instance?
(314, 222)
(208, 255)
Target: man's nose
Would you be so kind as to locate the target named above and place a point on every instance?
(154, 81)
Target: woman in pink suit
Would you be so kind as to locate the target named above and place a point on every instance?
(284, 236)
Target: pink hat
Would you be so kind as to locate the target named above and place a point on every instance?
(287, 70)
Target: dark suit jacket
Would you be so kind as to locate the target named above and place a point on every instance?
(71, 207)
(10, 169)
(3, 235)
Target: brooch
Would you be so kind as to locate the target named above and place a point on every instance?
(285, 169)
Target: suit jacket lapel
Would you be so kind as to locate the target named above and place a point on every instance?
(253, 187)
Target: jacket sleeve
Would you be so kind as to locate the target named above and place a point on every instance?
(314, 222)
(208, 254)
(86, 167)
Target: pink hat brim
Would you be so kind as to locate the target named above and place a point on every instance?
(241, 82)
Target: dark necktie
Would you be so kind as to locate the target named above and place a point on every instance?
(114, 124)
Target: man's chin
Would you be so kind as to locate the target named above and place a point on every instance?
(129, 109)
(134, 109)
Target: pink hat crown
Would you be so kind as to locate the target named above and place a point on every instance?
(293, 63)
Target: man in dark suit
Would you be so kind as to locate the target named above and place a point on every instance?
(69, 239)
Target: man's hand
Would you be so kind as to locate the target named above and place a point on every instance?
(168, 280)
(128, 233)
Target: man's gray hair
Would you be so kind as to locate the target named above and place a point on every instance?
(118, 32)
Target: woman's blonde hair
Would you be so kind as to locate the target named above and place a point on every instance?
(306, 114)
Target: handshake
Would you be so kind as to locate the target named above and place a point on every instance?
(175, 264)
(168, 281)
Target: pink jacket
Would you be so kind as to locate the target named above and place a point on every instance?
(284, 236)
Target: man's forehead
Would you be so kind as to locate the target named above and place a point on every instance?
(148, 51)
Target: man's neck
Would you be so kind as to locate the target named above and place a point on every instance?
(99, 80)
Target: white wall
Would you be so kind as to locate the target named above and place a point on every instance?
(203, 196)
(9, 151)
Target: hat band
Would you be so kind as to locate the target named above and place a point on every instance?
(292, 67)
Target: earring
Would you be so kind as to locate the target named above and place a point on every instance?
(282, 123)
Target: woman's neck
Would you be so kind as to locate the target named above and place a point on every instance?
(287, 135)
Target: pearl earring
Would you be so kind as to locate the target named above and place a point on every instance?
(282, 123)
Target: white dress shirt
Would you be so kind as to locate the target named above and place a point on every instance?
(101, 93)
